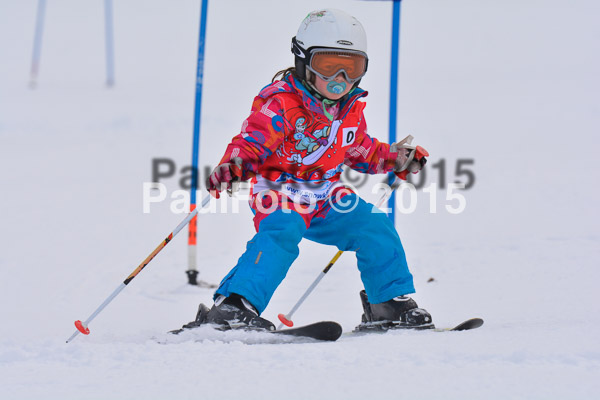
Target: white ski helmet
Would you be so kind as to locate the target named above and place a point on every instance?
(327, 29)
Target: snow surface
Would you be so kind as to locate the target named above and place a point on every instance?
(513, 85)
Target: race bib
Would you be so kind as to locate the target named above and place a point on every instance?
(348, 136)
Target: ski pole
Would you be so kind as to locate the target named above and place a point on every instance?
(286, 318)
(37, 43)
(82, 327)
(110, 43)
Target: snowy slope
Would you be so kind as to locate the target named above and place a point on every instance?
(512, 85)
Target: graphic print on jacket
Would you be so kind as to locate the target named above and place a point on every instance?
(290, 146)
(309, 161)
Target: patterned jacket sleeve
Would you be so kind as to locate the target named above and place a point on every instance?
(368, 155)
(261, 135)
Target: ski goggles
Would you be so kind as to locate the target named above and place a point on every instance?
(329, 63)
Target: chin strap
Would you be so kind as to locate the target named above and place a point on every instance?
(312, 90)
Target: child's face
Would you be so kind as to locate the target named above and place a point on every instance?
(328, 89)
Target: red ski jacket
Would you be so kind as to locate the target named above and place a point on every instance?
(289, 145)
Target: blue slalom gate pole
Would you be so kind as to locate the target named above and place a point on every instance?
(394, 96)
(192, 271)
(110, 50)
(37, 43)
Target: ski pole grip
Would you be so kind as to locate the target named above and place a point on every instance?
(420, 152)
(236, 172)
(235, 167)
(419, 156)
(402, 175)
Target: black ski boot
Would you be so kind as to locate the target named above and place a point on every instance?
(398, 313)
(233, 312)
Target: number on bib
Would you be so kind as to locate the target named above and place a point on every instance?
(349, 134)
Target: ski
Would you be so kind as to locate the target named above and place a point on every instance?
(383, 327)
(328, 331)
(467, 325)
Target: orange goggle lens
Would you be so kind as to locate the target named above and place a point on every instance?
(329, 63)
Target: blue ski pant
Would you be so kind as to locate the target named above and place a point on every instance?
(350, 225)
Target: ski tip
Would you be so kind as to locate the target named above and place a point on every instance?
(337, 331)
(472, 323)
(284, 320)
(331, 330)
(81, 328)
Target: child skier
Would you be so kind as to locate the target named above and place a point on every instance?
(301, 131)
